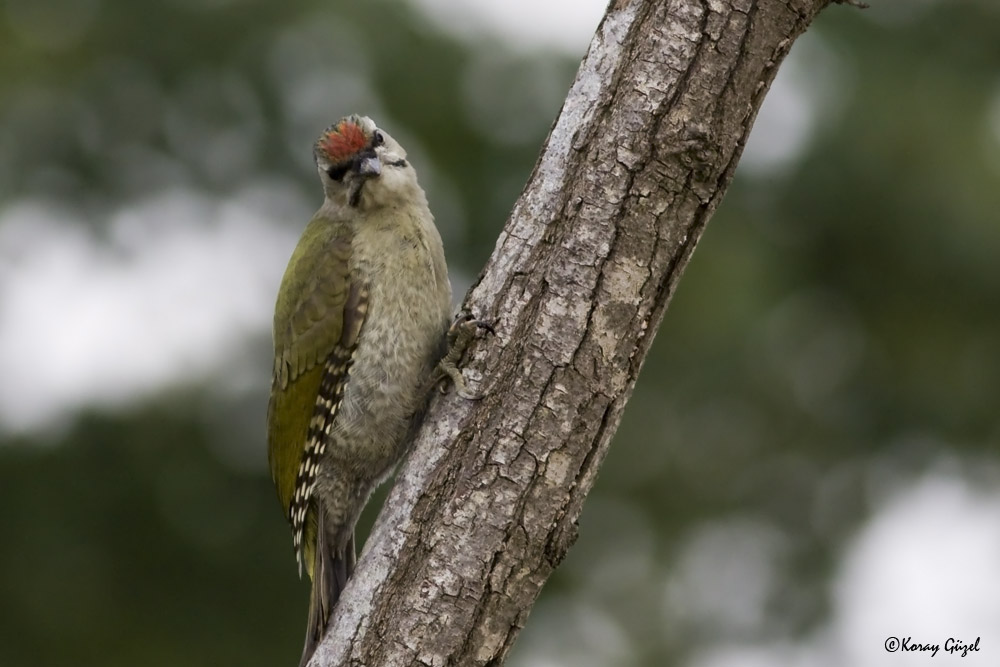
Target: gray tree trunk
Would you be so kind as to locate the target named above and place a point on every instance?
(486, 505)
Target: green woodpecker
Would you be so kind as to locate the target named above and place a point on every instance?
(359, 327)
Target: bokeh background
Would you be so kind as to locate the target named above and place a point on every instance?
(809, 463)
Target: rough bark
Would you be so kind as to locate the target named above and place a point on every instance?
(486, 505)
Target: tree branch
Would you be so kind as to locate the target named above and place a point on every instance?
(486, 505)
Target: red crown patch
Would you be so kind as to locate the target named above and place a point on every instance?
(343, 141)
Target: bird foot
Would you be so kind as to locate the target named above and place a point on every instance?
(460, 334)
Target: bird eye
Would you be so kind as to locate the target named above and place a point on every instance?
(377, 139)
(338, 172)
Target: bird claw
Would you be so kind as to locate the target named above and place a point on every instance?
(465, 327)
(460, 334)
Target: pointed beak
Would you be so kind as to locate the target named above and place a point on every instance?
(368, 166)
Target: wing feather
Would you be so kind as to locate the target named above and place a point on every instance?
(336, 372)
(318, 319)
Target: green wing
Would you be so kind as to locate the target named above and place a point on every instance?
(317, 319)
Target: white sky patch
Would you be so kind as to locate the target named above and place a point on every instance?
(924, 569)
(927, 566)
(710, 588)
(172, 291)
(562, 25)
(810, 86)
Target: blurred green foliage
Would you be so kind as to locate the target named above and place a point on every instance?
(837, 327)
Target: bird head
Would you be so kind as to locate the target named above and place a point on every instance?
(361, 166)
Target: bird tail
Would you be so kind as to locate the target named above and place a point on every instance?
(330, 573)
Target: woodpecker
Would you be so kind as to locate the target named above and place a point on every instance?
(360, 324)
